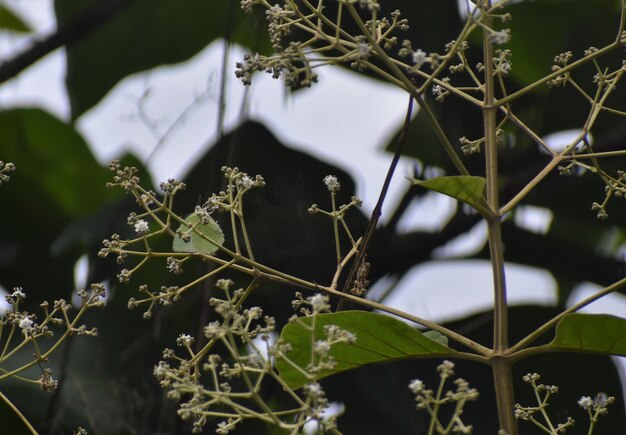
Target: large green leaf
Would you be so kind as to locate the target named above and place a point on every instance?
(9, 20)
(56, 167)
(213, 236)
(557, 26)
(468, 189)
(379, 338)
(146, 34)
(600, 333)
(56, 181)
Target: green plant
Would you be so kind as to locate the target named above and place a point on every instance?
(254, 377)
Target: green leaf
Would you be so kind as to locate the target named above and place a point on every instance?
(468, 189)
(146, 34)
(57, 171)
(198, 243)
(601, 333)
(9, 20)
(585, 24)
(379, 338)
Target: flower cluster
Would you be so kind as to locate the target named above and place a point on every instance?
(291, 64)
(5, 168)
(534, 414)
(25, 329)
(431, 401)
(228, 385)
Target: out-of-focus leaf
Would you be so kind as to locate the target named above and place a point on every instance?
(144, 35)
(56, 167)
(9, 20)
(197, 243)
(600, 333)
(57, 179)
(467, 189)
(379, 338)
(557, 26)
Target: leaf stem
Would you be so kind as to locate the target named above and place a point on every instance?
(501, 368)
(17, 412)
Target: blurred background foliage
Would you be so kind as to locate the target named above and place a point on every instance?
(56, 210)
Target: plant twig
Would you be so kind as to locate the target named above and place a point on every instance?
(17, 412)
(377, 212)
(75, 29)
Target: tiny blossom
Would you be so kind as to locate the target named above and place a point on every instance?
(213, 330)
(585, 402)
(25, 323)
(416, 386)
(322, 346)
(124, 275)
(419, 58)
(161, 370)
(184, 340)
(439, 91)
(319, 303)
(247, 182)
(531, 377)
(446, 368)
(141, 227)
(145, 199)
(314, 389)
(174, 265)
(47, 382)
(18, 293)
(363, 50)
(501, 36)
(332, 183)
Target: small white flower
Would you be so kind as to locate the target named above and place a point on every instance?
(161, 370)
(332, 183)
(246, 182)
(501, 36)
(419, 58)
(322, 347)
(585, 402)
(363, 48)
(18, 293)
(314, 390)
(184, 340)
(146, 200)
(416, 386)
(142, 227)
(25, 323)
(319, 303)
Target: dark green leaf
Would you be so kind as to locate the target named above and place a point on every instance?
(600, 333)
(57, 180)
(144, 35)
(558, 26)
(379, 338)
(9, 20)
(55, 165)
(197, 242)
(468, 189)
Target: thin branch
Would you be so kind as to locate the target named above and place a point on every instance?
(17, 412)
(574, 308)
(377, 212)
(66, 34)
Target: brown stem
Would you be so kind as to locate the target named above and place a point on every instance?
(377, 212)
(68, 32)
